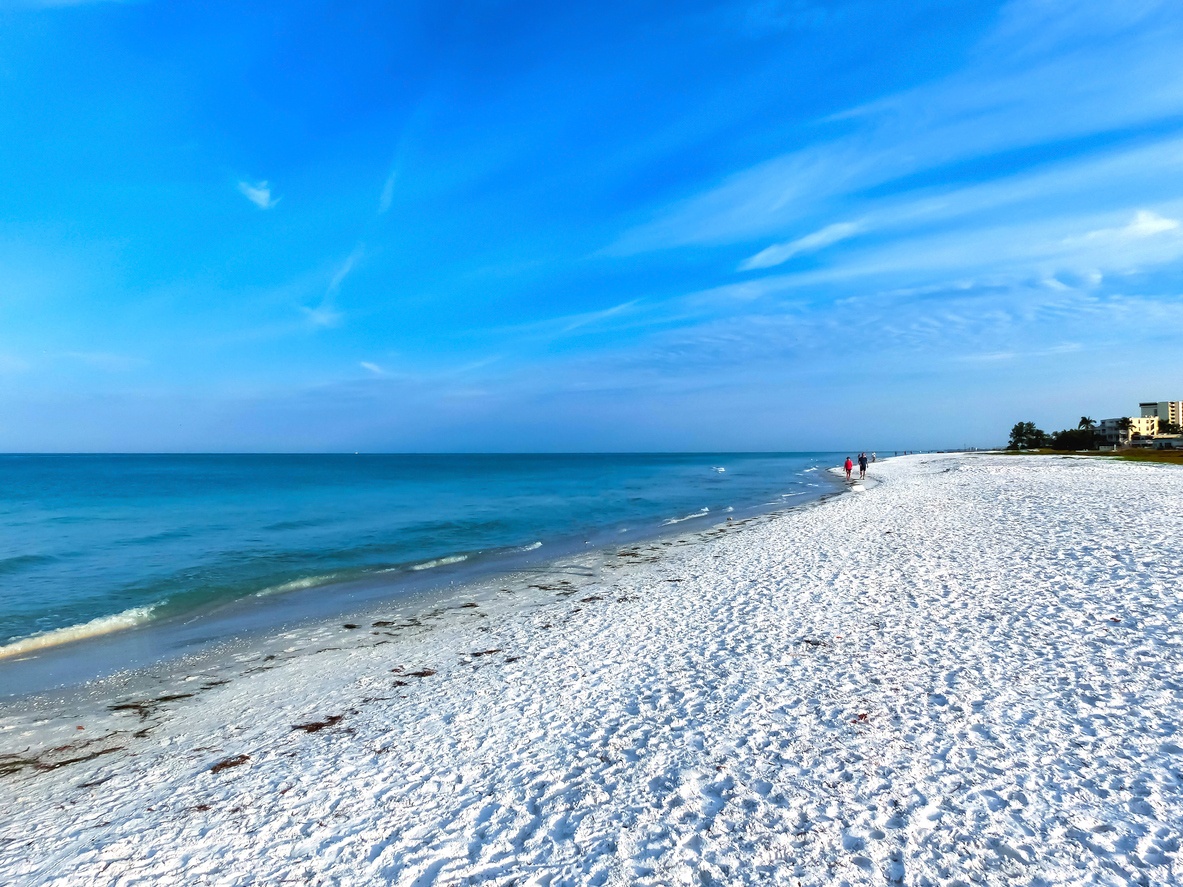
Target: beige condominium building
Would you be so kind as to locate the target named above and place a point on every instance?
(1109, 430)
(1164, 411)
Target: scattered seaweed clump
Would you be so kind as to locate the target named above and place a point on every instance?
(317, 726)
(227, 763)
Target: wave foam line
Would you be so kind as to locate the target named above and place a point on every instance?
(441, 562)
(297, 584)
(678, 520)
(93, 628)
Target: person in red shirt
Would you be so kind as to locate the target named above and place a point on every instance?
(848, 466)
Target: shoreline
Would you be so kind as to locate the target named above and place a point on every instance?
(968, 671)
(419, 595)
(149, 643)
(51, 718)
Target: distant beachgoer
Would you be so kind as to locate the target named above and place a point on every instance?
(873, 457)
(848, 466)
(862, 465)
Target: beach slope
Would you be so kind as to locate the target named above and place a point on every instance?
(969, 672)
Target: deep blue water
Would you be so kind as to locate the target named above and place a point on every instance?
(86, 538)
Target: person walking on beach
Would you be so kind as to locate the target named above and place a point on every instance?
(862, 465)
(848, 466)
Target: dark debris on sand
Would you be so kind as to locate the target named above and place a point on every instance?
(317, 726)
(227, 763)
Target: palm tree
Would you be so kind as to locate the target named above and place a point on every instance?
(1086, 424)
(1123, 425)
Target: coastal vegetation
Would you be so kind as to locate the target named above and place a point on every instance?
(1173, 457)
(1027, 438)
(1130, 454)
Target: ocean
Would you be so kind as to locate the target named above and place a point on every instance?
(96, 544)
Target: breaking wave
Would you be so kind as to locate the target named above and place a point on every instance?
(441, 562)
(93, 628)
(678, 520)
(298, 584)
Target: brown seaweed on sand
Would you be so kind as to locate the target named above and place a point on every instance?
(145, 708)
(421, 673)
(317, 726)
(227, 763)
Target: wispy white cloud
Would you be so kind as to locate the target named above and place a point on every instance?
(592, 318)
(323, 315)
(973, 325)
(1028, 84)
(1146, 223)
(386, 198)
(258, 193)
(346, 267)
(1003, 356)
(625, 315)
(1049, 247)
(779, 253)
(372, 367)
(326, 314)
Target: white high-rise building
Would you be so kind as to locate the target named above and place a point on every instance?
(1164, 410)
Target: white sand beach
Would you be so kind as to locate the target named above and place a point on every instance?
(970, 672)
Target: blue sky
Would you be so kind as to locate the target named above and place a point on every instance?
(516, 226)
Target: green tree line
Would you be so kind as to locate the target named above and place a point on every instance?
(1026, 436)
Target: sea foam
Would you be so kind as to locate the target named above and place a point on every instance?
(298, 584)
(441, 562)
(678, 520)
(93, 628)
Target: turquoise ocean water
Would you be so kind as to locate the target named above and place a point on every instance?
(91, 545)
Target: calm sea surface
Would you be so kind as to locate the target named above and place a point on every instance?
(95, 544)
